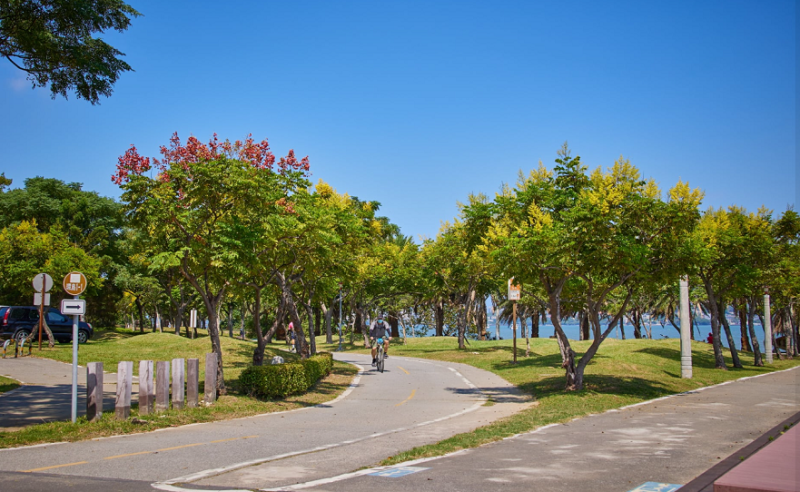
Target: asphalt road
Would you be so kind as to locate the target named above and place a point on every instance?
(413, 402)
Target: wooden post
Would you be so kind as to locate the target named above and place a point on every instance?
(211, 378)
(515, 330)
(177, 383)
(94, 391)
(146, 390)
(162, 386)
(122, 406)
(192, 382)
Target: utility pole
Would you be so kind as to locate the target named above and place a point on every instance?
(340, 349)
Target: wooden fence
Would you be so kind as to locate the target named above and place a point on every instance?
(153, 395)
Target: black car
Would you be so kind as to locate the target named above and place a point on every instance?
(19, 321)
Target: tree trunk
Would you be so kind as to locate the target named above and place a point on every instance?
(328, 324)
(746, 347)
(734, 355)
(394, 325)
(719, 358)
(140, 310)
(261, 344)
(573, 383)
(751, 314)
(438, 314)
(317, 322)
(636, 321)
(535, 325)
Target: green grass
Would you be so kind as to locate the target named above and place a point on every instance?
(115, 345)
(8, 384)
(622, 373)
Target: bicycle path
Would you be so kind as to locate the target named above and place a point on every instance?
(668, 441)
(414, 402)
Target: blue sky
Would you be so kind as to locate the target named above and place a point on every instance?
(418, 104)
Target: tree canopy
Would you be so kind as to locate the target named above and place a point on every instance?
(52, 41)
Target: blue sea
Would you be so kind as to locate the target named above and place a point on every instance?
(702, 329)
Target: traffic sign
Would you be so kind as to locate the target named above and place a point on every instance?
(37, 299)
(513, 290)
(73, 306)
(42, 280)
(74, 283)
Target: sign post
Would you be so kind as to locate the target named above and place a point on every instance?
(514, 295)
(42, 283)
(75, 284)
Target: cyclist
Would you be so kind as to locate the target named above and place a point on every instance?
(379, 329)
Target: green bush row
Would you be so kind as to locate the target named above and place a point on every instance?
(291, 378)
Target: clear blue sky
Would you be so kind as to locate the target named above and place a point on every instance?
(417, 104)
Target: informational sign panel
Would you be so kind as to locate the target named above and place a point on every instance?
(37, 299)
(74, 283)
(513, 290)
(42, 282)
(73, 306)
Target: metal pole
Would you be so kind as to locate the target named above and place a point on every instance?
(515, 331)
(41, 313)
(767, 329)
(686, 331)
(75, 365)
(340, 320)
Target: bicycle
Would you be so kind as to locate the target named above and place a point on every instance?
(380, 355)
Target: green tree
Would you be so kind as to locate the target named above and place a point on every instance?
(52, 41)
(189, 213)
(25, 252)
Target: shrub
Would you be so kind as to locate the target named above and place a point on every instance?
(281, 380)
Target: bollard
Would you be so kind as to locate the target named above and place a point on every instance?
(146, 389)
(94, 391)
(211, 378)
(192, 382)
(177, 383)
(162, 386)
(122, 406)
(5, 347)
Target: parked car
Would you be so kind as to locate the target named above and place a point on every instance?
(18, 322)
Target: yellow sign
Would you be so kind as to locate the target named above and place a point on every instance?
(74, 283)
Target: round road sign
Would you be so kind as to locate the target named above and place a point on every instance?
(74, 283)
(42, 280)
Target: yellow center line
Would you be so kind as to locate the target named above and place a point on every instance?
(181, 447)
(404, 370)
(407, 399)
(233, 439)
(55, 466)
(126, 455)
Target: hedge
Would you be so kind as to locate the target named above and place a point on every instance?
(291, 378)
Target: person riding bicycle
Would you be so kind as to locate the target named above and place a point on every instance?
(379, 329)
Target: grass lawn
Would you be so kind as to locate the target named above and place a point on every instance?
(622, 373)
(113, 346)
(8, 384)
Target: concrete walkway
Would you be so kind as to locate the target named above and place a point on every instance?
(46, 392)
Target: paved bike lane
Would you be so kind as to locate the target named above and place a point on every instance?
(666, 441)
(414, 402)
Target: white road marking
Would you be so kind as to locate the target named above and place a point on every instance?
(218, 471)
